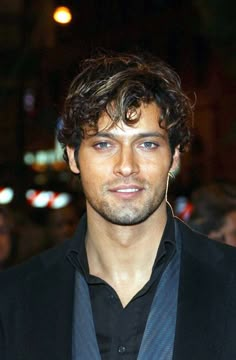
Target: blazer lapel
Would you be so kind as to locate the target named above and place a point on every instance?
(202, 307)
(158, 338)
(84, 341)
(48, 308)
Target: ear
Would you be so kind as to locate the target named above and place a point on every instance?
(72, 163)
(175, 162)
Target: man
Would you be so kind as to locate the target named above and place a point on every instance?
(62, 222)
(214, 212)
(134, 282)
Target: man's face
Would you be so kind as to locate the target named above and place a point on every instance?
(124, 169)
(62, 223)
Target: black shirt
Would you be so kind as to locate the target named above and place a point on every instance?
(120, 330)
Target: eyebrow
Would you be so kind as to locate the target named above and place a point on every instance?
(138, 136)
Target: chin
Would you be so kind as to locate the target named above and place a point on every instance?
(127, 219)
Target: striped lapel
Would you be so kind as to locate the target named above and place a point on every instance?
(158, 338)
(203, 298)
(84, 341)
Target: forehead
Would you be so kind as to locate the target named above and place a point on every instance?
(148, 121)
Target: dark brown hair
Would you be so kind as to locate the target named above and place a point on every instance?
(118, 84)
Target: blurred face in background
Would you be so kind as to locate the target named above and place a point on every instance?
(62, 223)
(5, 239)
(228, 230)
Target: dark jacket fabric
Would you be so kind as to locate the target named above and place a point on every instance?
(36, 304)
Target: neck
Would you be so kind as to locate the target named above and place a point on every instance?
(123, 256)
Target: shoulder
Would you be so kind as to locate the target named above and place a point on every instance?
(14, 277)
(204, 248)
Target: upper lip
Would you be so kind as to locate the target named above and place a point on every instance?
(126, 187)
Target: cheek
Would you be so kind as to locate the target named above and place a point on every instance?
(161, 160)
(158, 170)
(92, 179)
(95, 167)
(92, 166)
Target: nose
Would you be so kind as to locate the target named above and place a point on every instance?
(127, 162)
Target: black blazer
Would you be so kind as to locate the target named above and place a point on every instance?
(36, 304)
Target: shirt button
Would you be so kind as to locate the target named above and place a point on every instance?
(121, 349)
(112, 298)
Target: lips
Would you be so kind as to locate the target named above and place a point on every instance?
(125, 189)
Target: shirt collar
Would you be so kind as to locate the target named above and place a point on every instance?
(77, 256)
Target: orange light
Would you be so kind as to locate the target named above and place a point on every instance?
(62, 15)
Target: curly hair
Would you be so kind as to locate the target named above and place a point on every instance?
(118, 84)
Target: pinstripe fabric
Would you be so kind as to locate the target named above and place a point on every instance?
(158, 338)
(84, 341)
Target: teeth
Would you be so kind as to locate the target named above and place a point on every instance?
(127, 190)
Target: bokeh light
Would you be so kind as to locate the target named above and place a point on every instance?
(62, 15)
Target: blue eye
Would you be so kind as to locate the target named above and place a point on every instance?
(103, 145)
(149, 145)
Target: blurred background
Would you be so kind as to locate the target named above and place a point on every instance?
(40, 56)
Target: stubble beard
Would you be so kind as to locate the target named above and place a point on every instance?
(128, 213)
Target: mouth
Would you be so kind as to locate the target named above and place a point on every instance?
(127, 191)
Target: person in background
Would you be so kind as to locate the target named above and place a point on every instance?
(134, 282)
(61, 223)
(31, 232)
(214, 212)
(228, 229)
(7, 245)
